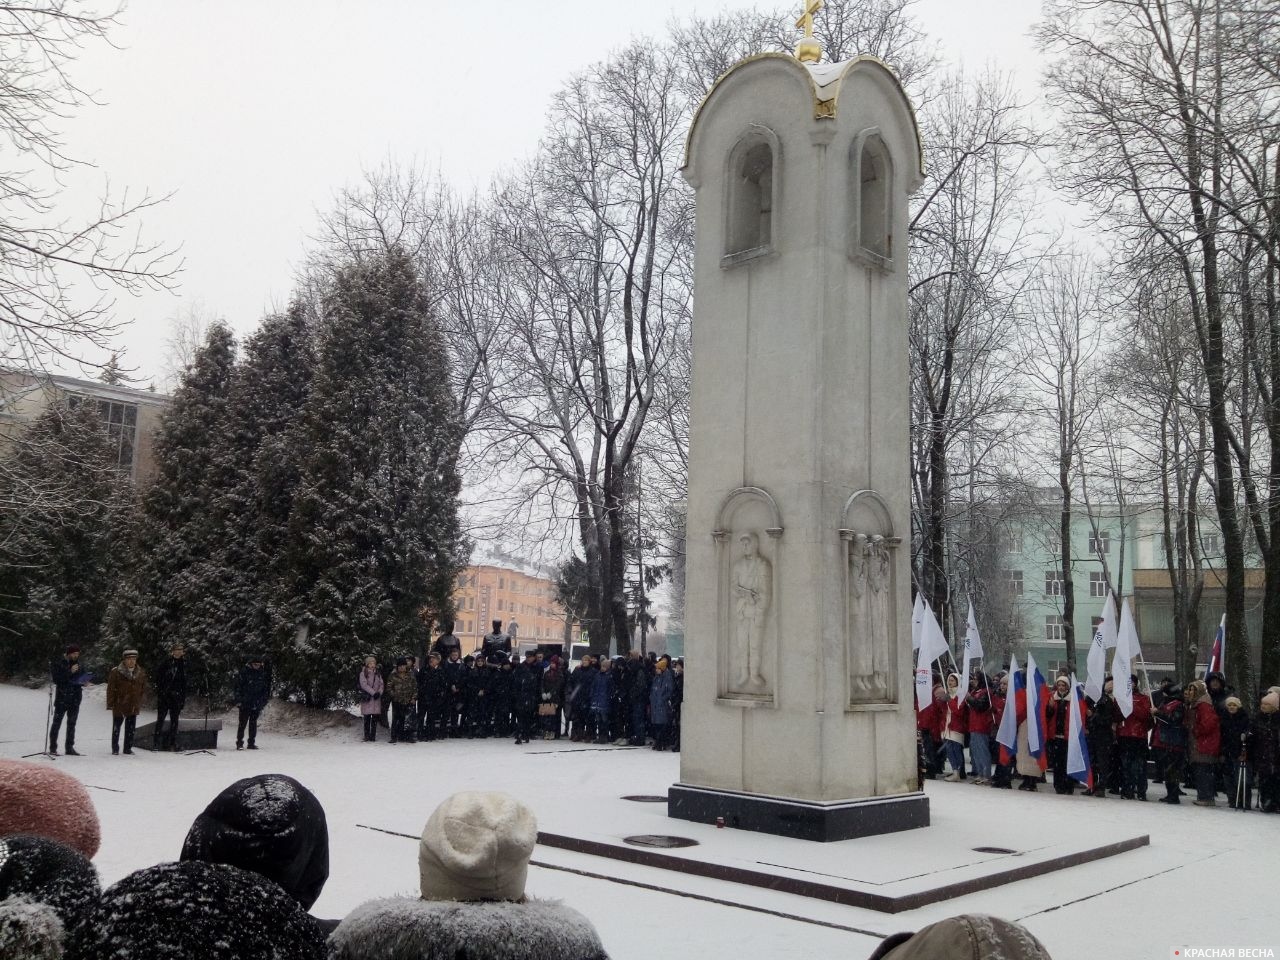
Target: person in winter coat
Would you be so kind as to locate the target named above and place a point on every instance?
(171, 697)
(929, 723)
(251, 693)
(955, 721)
(1234, 724)
(372, 689)
(1264, 751)
(526, 690)
(1169, 737)
(660, 692)
(433, 698)
(1001, 777)
(637, 688)
(1203, 742)
(500, 686)
(209, 911)
(477, 700)
(978, 710)
(1100, 729)
(126, 685)
(1215, 683)
(270, 825)
(551, 699)
(602, 700)
(39, 801)
(45, 889)
(578, 699)
(972, 936)
(1057, 715)
(472, 865)
(1131, 735)
(1027, 764)
(402, 688)
(677, 702)
(455, 672)
(68, 684)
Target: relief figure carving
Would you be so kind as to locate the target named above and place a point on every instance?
(752, 593)
(870, 583)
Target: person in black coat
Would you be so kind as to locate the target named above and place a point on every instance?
(1263, 749)
(433, 699)
(171, 696)
(68, 685)
(1100, 730)
(637, 686)
(252, 691)
(500, 690)
(455, 673)
(577, 707)
(477, 700)
(677, 700)
(621, 696)
(526, 689)
(1234, 728)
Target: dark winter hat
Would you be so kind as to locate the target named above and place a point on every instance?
(971, 936)
(72, 648)
(530, 653)
(44, 871)
(44, 802)
(270, 824)
(208, 910)
(256, 658)
(499, 657)
(402, 661)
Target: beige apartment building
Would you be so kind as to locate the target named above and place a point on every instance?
(487, 592)
(130, 416)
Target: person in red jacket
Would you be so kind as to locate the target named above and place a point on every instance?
(1002, 777)
(929, 725)
(1057, 724)
(978, 705)
(1131, 735)
(1203, 738)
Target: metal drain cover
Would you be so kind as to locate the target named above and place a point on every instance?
(645, 798)
(659, 840)
(993, 850)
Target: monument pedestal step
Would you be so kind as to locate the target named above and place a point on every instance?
(799, 819)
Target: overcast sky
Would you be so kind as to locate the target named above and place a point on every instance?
(253, 114)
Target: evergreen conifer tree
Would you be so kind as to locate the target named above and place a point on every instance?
(182, 579)
(67, 505)
(375, 541)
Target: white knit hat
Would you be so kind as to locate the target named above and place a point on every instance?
(476, 846)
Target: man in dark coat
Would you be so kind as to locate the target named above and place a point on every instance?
(68, 685)
(171, 696)
(601, 699)
(252, 691)
(637, 698)
(433, 690)
(455, 672)
(477, 698)
(526, 686)
(677, 702)
(500, 686)
(578, 699)
(1169, 737)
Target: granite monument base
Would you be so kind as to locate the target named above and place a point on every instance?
(799, 819)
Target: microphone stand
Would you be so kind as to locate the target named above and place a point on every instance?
(47, 752)
(207, 696)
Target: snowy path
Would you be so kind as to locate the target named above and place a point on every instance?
(1207, 878)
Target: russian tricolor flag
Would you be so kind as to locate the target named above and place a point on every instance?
(1219, 649)
(1037, 700)
(1007, 735)
(1078, 765)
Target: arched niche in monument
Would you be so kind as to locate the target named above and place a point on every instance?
(748, 538)
(870, 613)
(751, 184)
(870, 198)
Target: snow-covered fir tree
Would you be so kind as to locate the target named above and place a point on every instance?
(182, 580)
(375, 544)
(67, 506)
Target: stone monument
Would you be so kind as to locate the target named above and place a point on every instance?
(798, 716)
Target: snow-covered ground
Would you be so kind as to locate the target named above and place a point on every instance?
(1207, 878)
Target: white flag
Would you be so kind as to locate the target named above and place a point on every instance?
(1104, 638)
(1007, 735)
(932, 645)
(917, 621)
(1122, 660)
(1078, 764)
(972, 648)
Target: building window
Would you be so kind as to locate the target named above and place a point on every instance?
(751, 197)
(1053, 543)
(1014, 579)
(1097, 584)
(1011, 539)
(502, 583)
(1100, 543)
(1053, 583)
(874, 187)
(121, 423)
(1211, 544)
(1053, 628)
(499, 604)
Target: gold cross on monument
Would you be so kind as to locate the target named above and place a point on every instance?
(808, 50)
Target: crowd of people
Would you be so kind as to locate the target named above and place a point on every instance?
(1199, 736)
(256, 860)
(631, 700)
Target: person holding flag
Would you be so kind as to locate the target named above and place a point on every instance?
(1078, 767)
(1131, 734)
(1032, 758)
(933, 644)
(929, 729)
(1057, 712)
(1104, 639)
(1102, 721)
(1005, 708)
